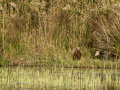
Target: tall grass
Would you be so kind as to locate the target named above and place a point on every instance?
(45, 29)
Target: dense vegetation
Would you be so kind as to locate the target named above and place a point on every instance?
(42, 31)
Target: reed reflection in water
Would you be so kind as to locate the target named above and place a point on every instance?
(59, 78)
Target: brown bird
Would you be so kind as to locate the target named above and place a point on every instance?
(77, 54)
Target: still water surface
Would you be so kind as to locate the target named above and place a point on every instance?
(36, 78)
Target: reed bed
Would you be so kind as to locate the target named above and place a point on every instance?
(42, 31)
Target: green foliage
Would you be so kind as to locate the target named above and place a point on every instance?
(4, 61)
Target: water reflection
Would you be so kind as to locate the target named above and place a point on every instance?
(60, 78)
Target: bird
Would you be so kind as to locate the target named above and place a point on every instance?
(77, 54)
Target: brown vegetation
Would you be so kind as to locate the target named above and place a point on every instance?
(45, 28)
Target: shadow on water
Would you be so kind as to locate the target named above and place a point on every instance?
(35, 78)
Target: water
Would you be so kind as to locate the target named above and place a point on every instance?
(35, 78)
